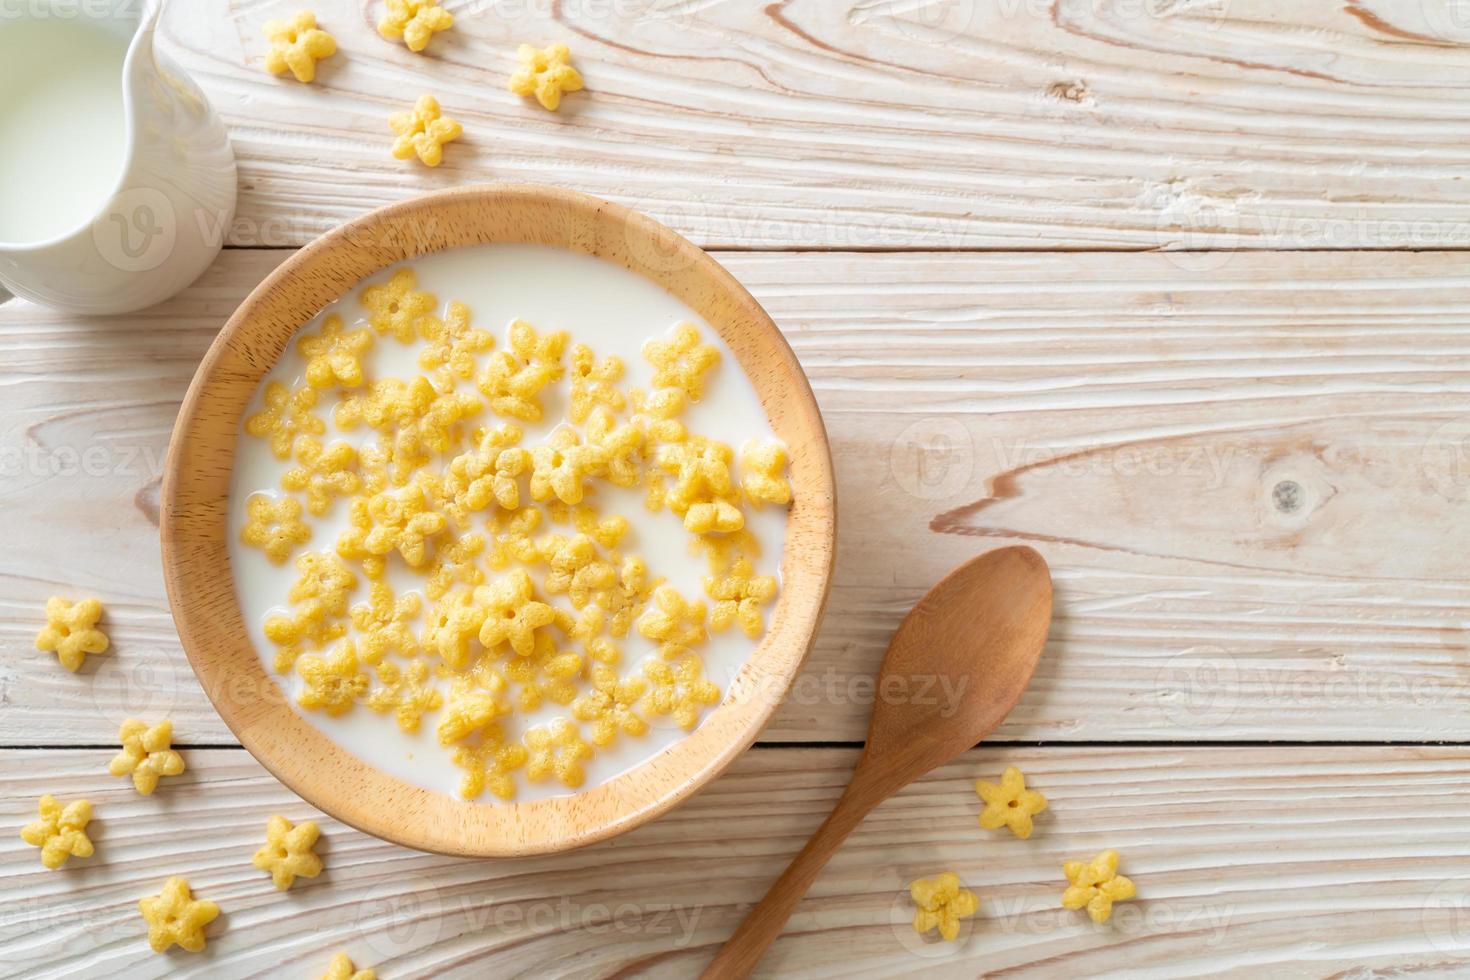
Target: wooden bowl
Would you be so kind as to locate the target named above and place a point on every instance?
(196, 485)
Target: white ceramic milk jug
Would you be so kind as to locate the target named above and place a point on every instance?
(117, 181)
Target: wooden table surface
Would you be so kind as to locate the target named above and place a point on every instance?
(1175, 292)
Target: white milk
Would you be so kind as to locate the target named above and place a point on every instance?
(62, 132)
(611, 310)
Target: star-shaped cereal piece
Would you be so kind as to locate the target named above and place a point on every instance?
(322, 473)
(475, 702)
(658, 411)
(512, 540)
(407, 692)
(452, 344)
(285, 415)
(71, 631)
(700, 469)
(1009, 803)
(487, 474)
(423, 131)
(454, 621)
(620, 443)
(61, 832)
(334, 684)
(577, 569)
(489, 764)
(679, 690)
(713, 517)
(413, 22)
(545, 73)
(341, 968)
(387, 522)
(397, 306)
(626, 602)
(297, 44)
(456, 562)
(513, 615)
(594, 383)
(274, 525)
(941, 904)
(562, 465)
(320, 599)
(288, 853)
(677, 624)
(763, 474)
(548, 674)
(334, 355)
(385, 623)
(513, 379)
(611, 705)
(175, 916)
(146, 754)
(1096, 885)
(605, 530)
(557, 749)
(738, 596)
(681, 361)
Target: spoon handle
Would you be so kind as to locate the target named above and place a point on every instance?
(763, 924)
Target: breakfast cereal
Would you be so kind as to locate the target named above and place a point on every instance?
(545, 73)
(297, 44)
(274, 525)
(288, 853)
(941, 904)
(1009, 803)
(1095, 885)
(176, 917)
(413, 22)
(146, 754)
(60, 832)
(342, 968)
(71, 631)
(485, 600)
(423, 131)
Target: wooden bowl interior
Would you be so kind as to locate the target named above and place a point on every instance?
(195, 517)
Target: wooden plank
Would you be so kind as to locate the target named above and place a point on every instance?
(882, 124)
(1252, 482)
(1275, 862)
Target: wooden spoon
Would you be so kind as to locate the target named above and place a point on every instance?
(981, 630)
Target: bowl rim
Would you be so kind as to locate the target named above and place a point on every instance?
(194, 518)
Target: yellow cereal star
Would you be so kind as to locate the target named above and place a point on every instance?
(489, 764)
(397, 306)
(453, 344)
(473, 708)
(547, 675)
(620, 444)
(594, 383)
(658, 412)
(577, 570)
(285, 416)
(738, 596)
(556, 750)
(456, 563)
(146, 755)
(513, 379)
(677, 625)
(385, 624)
(611, 705)
(288, 852)
(562, 465)
(320, 599)
(488, 474)
(1010, 803)
(341, 968)
(386, 522)
(71, 631)
(545, 73)
(680, 690)
(413, 22)
(423, 131)
(512, 540)
(512, 614)
(454, 621)
(274, 526)
(334, 684)
(628, 600)
(297, 44)
(176, 917)
(1096, 885)
(334, 356)
(763, 474)
(681, 361)
(942, 903)
(407, 692)
(322, 473)
(60, 833)
(701, 475)
(713, 517)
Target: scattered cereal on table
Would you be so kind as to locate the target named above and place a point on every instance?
(71, 631)
(146, 754)
(176, 917)
(1095, 885)
(1009, 803)
(342, 968)
(942, 903)
(413, 22)
(423, 131)
(297, 44)
(61, 832)
(545, 73)
(288, 853)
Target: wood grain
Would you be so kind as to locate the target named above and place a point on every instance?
(1249, 862)
(1138, 421)
(1215, 124)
